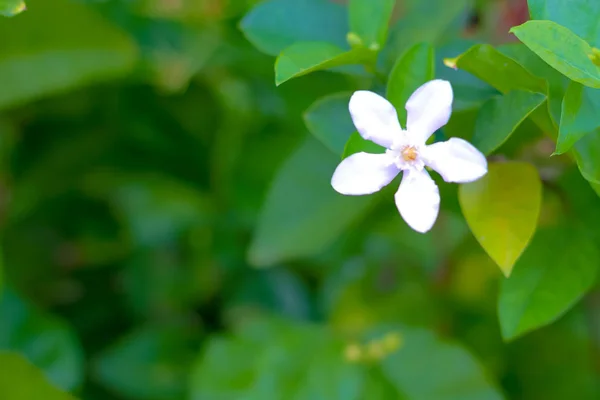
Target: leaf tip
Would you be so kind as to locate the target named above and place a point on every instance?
(451, 62)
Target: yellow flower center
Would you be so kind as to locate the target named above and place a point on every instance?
(409, 153)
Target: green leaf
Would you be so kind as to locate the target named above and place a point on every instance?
(580, 16)
(10, 8)
(425, 21)
(20, 380)
(306, 57)
(587, 155)
(328, 119)
(500, 116)
(497, 69)
(263, 369)
(149, 363)
(369, 20)
(557, 82)
(469, 91)
(580, 111)
(502, 210)
(273, 25)
(302, 214)
(46, 341)
(562, 49)
(413, 69)
(452, 373)
(357, 144)
(57, 46)
(555, 271)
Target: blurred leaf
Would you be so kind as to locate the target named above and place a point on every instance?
(562, 49)
(555, 271)
(357, 144)
(428, 368)
(157, 208)
(500, 116)
(580, 110)
(580, 16)
(20, 380)
(419, 24)
(10, 8)
(369, 20)
(151, 363)
(500, 71)
(46, 341)
(302, 214)
(264, 371)
(328, 119)
(273, 25)
(57, 46)
(305, 57)
(161, 281)
(413, 69)
(556, 362)
(276, 291)
(502, 210)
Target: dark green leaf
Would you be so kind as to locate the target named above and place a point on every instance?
(357, 144)
(302, 214)
(46, 341)
(56, 46)
(328, 119)
(413, 69)
(500, 116)
(10, 8)
(274, 25)
(306, 57)
(19, 380)
(580, 16)
(562, 49)
(502, 210)
(580, 111)
(369, 20)
(555, 271)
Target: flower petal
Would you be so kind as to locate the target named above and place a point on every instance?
(456, 160)
(429, 108)
(363, 173)
(375, 118)
(418, 200)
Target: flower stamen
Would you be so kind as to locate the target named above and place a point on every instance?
(409, 154)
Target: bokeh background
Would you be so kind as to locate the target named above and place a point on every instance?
(138, 142)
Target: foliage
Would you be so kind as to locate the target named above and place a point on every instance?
(169, 230)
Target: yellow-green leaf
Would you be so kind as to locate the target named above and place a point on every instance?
(502, 210)
(20, 380)
(10, 8)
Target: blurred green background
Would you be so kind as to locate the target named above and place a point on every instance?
(138, 142)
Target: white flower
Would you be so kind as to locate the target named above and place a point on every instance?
(418, 198)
